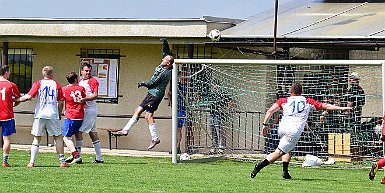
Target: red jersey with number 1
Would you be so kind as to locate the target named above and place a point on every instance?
(74, 109)
(7, 91)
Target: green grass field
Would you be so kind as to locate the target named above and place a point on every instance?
(132, 174)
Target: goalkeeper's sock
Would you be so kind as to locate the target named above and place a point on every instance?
(152, 128)
(130, 124)
(381, 163)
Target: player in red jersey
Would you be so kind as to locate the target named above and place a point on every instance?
(381, 162)
(91, 86)
(8, 90)
(74, 113)
(49, 104)
(296, 110)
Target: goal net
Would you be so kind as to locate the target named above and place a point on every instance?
(224, 104)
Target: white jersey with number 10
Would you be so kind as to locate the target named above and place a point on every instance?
(296, 111)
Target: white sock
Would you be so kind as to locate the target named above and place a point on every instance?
(130, 124)
(5, 158)
(98, 152)
(61, 158)
(34, 151)
(152, 128)
(78, 146)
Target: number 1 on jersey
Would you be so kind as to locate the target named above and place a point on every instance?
(3, 94)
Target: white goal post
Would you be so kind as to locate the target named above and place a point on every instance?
(235, 62)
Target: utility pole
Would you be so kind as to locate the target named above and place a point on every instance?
(275, 27)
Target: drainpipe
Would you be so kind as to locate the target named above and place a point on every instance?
(5, 53)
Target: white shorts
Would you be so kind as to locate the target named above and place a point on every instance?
(52, 126)
(289, 138)
(89, 121)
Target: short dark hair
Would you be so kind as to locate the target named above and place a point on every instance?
(171, 59)
(84, 64)
(296, 88)
(4, 69)
(71, 77)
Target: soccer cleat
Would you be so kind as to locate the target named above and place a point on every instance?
(64, 165)
(254, 173)
(373, 171)
(153, 143)
(382, 180)
(98, 161)
(286, 175)
(121, 132)
(76, 161)
(5, 164)
(30, 165)
(69, 159)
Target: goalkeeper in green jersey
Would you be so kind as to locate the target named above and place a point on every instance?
(156, 90)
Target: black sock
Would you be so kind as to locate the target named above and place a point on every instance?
(285, 166)
(261, 165)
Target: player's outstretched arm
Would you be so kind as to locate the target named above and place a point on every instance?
(331, 107)
(23, 98)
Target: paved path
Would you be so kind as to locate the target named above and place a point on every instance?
(85, 150)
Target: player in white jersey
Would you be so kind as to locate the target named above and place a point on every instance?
(91, 86)
(295, 110)
(49, 104)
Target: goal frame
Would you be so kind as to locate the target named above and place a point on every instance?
(174, 82)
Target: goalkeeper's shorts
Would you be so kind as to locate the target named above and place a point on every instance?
(150, 103)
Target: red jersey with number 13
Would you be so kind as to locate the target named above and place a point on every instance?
(7, 91)
(74, 109)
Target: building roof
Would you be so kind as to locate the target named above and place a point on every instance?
(35, 29)
(304, 19)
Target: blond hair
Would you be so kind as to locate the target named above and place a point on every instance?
(47, 71)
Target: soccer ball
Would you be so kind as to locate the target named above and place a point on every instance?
(215, 35)
(185, 156)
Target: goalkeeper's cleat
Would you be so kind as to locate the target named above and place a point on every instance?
(373, 171)
(30, 165)
(64, 165)
(76, 161)
(69, 159)
(5, 164)
(382, 180)
(153, 143)
(286, 175)
(254, 172)
(121, 132)
(98, 161)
